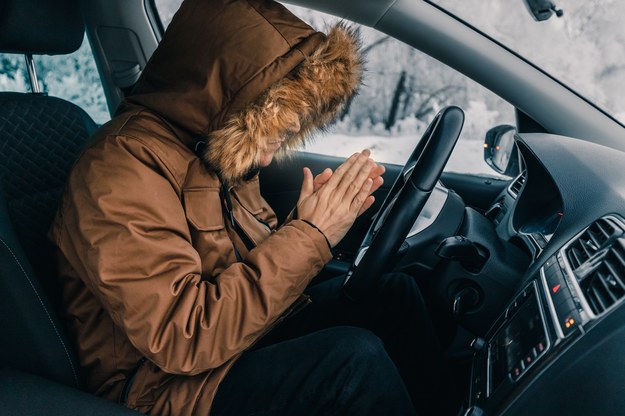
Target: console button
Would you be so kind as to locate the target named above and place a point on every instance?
(540, 347)
(564, 306)
(529, 359)
(558, 293)
(569, 322)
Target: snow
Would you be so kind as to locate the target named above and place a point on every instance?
(468, 156)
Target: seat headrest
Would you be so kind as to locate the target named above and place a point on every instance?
(40, 27)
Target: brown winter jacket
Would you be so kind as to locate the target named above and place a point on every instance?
(146, 245)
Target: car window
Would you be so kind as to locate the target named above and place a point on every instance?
(583, 48)
(166, 10)
(72, 77)
(403, 90)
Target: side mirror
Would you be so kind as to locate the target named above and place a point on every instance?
(500, 151)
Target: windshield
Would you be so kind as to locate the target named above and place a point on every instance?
(584, 49)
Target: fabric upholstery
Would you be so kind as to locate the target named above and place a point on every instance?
(40, 27)
(40, 138)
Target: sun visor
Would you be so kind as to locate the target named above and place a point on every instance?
(40, 27)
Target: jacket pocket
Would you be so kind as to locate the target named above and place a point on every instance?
(203, 208)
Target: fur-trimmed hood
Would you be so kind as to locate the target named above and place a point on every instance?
(238, 74)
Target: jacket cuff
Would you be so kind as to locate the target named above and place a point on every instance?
(322, 233)
(315, 234)
(291, 217)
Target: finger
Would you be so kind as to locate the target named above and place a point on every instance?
(368, 202)
(361, 196)
(307, 185)
(340, 171)
(377, 182)
(353, 180)
(378, 170)
(322, 179)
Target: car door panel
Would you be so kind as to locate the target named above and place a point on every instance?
(477, 191)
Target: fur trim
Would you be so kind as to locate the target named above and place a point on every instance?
(312, 96)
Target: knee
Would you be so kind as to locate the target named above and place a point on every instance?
(360, 353)
(366, 381)
(354, 340)
(357, 343)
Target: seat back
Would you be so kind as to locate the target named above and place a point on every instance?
(40, 138)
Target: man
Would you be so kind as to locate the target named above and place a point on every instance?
(174, 269)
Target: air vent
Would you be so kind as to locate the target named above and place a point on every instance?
(589, 243)
(516, 185)
(597, 258)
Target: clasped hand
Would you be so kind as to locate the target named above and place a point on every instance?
(333, 200)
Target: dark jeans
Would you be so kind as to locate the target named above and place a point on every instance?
(377, 356)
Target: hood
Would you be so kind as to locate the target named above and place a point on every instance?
(237, 74)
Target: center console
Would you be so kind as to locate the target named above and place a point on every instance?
(583, 282)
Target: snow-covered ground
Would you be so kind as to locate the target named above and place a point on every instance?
(468, 156)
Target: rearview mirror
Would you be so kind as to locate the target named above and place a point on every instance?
(542, 9)
(500, 152)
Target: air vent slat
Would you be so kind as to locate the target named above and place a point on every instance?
(574, 258)
(592, 302)
(608, 289)
(517, 184)
(587, 252)
(619, 253)
(596, 239)
(598, 298)
(603, 229)
(614, 273)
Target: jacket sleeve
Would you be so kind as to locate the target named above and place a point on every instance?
(124, 230)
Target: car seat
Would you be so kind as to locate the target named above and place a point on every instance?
(40, 138)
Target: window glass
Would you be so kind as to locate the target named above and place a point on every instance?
(166, 10)
(72, 77)
(403, 90)
(584, 48)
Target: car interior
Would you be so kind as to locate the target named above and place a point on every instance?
(524, 277)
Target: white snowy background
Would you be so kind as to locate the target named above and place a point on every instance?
(405, 88)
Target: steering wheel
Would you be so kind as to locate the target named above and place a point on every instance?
(405, 201)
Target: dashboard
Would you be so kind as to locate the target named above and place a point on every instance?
(558, 346)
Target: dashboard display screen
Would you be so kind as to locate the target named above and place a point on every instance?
(518, 344)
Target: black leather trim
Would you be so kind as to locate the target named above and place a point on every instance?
(41, 27)
(46, 309)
